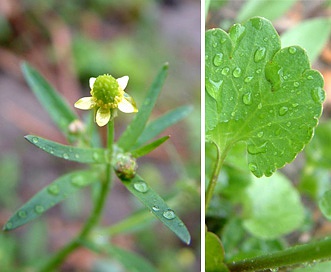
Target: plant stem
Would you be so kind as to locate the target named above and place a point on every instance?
(213, 181)
(294, 256)
(94, 218)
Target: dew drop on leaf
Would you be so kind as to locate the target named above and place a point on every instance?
(53, 189)
(77, 156)
(248, 79)
(292, 50)
(141, 186)
(257, 23)
(260, 134)
(252, 166)
(218, 59)
(96, 156)
(22, 214)
(310, 77)
(155, 208)
(223, 40)
(247, 98)
(35, 140)
(78, 181)
(214, 44)
(169, 214)
(39, 209)
(288, 124)
(259, 54)
(318, 95)
(257, 149)
(9, 225)
(259, 106)
(65, 156)
(225, 71)
(236, 72)
(283, 111)
(258, 71)
(296, 84)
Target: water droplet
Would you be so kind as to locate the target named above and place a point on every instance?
(265, 39)
(65, 156)
(53, 189)
(248, 79)
(96, 156)
(77, 156)
(257, 23)
(218, 59)
(252, 166)
(288, 124)
(259, 54)
(296, 84)
(254, 149)
(22, 214)
(155, 208)
(9, 225)
(35, 140)
(258, 71)
(260, 134)
(318, 95)
(169, 214)
(214, 44)
(310, 77)
(141, 186)
(51, 151)
(223, 40)
(294, 105)
(259, 106)
(236, 72)
(225, 71)
(283, 110)
(79, 181)
(292, 50)
(39, 209)
(247, 98)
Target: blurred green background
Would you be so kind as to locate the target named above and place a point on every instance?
(69, 42)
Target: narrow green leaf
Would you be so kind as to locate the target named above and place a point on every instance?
(130, 260)
(312, 35)
(136, 127)
(265, 8)
(58, 109)
(71, 153)
(49, 196)
(140, 189)
(149, 148)
(160, 124)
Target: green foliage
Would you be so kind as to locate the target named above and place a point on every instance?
(265, 8)
(49, 196)
(261, 94)
(139, 188)
(214, 254)
(312, 35)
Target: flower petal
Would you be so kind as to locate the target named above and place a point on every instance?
(91, 81)
(85, 103)
(102, 117)
(123, 82)
(127, 104)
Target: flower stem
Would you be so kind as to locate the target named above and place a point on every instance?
(301, 254)
(213, 181)
(95, 216)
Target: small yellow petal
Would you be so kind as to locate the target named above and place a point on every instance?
(85, 103)
(127, 104)
(91, 81)
(123, 82)
(102, 117)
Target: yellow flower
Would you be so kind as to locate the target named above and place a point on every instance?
(107, 96)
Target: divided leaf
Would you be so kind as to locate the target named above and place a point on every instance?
(261, 94)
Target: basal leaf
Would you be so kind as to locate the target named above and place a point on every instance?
(272, 207)
(136, 127)
(140, 189)
(58, 109)
(214, 254)
(264, 95)
(49, 196)
(71, 153)
(160, 124)
(149, 148)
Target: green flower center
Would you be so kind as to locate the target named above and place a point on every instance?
(106, 92)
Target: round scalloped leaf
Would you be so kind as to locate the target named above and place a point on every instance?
(264, 95)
